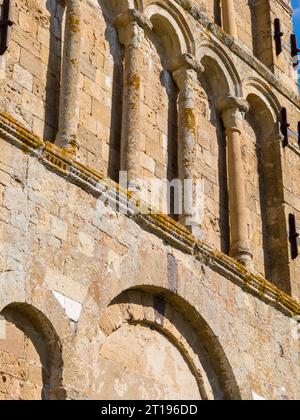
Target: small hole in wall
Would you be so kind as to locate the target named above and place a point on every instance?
(281, 350)
(4, 379)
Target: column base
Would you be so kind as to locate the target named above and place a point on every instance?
(242, 253)
(192, 226)
(134, 188)
(69, 145)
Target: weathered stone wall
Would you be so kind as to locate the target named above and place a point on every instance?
(30, 93)
(72, 258)
(30, 90)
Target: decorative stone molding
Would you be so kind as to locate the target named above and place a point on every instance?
(232, 110)
(294, 148)
(225, 102)
(286, 6)
(128, 21)
(187, 62)
(93, 182)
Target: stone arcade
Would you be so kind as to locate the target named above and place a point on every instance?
(98, 304)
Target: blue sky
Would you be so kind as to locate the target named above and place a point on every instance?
(296, 6)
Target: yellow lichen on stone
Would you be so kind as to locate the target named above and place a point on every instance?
(74, 23)
(190, 120)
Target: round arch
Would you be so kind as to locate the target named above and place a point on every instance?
(41, 351)
(48, 317)
(186, 305)
(219, 69)
(265, 119)
(256, 88)
(171, 26)
(177, 320)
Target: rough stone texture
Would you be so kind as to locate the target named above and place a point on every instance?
(97, 306)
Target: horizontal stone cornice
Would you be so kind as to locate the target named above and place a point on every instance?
(95, 183)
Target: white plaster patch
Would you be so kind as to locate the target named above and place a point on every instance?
(108, 82)
(120, 387)
(71, 307)
(257, 397)
(2, 328)
(295, 327)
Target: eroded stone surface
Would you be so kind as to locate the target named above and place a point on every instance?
(73, 327)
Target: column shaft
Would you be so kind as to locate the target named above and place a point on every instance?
(186, 124)
(239, 215)
(131, 118)
(232, 110)
(186, 78)
(131, 30)
(67, 136)
(229, 17)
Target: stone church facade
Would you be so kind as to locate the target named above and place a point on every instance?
(101, 295)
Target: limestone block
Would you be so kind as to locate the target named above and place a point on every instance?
(23, 77)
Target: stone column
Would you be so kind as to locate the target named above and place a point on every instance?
(185, 73)
(232, 111)
(67, 136)
(229, 18)
(131, 30)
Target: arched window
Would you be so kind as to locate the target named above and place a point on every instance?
(30, 354)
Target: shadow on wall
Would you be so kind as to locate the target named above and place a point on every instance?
(271, 194)
(172, 151)
(261, 29)
(33, 347)
(215, 85)
(217, 12)
(56, 10)
(116, 52)
(262, 191)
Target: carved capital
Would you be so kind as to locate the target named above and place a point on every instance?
(232, 110)
(185, 62)
(225, 102)
(185, 70)
(131, 27)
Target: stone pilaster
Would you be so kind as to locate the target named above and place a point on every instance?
(67, 136)
(232, 111)
(131, 30)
